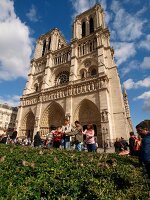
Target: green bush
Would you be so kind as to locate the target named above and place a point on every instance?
(29, 173)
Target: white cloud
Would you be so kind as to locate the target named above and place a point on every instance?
(32, 14)
(145, 43)
(128, 27)
(83, 5)
(146, 63)
(122, 50)
(130, 84)
(146, 97)
(133, 65)
(10, 100)
(15, 43)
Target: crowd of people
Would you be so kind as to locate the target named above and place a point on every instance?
(132, 147)
(137, 146)
(67, 136)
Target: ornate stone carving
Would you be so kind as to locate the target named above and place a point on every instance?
(87, 63)
(104, 116)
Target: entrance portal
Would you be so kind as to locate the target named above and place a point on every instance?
(28, 125)
(54, 115)
(87, 112)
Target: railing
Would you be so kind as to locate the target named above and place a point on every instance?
(62, 56)
(71, 89)
(87, 47)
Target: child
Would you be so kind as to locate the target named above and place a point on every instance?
(57, 136)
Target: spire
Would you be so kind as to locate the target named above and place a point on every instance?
(124, 91)
(127, 108)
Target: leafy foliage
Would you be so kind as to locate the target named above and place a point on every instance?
(29, 173)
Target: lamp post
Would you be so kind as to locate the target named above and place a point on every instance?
(104, 132)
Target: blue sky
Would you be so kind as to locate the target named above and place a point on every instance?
(23, 21)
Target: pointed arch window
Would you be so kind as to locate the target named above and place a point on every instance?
(49, 43)
(83, 29)
(83, 74)
(91, 25)
(36, 87)
(93, 72)
(44, 48)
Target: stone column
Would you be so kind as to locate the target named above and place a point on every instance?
(19, 120)
(74, 61)
(38, 116)
(47, 75)
(28, 89)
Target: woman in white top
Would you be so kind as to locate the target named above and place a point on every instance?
(90, 140)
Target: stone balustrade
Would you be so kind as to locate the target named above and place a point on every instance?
(74, 88)
(87, 47)
(62, 56)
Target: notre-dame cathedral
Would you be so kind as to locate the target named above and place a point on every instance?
(79, 81)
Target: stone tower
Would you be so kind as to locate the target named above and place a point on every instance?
(77, 80)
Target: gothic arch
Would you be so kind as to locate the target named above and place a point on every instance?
(87, 112)
(52, 115)
(28, 123)
(87, 63)
(91, 24)
(56, 72)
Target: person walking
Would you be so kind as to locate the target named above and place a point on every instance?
(142, 130)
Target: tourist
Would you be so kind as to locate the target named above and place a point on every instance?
(142, 130)
(49, 137)
(90, 140)
(14, 135)
(37, 140)
(124, 144)
(67, 133)
(131, 143)
(117, 145)
(3, 139)
(57, 136)
(78, 141)
(137, 145)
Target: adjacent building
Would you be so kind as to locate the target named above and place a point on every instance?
(78, 80)
(8, 116)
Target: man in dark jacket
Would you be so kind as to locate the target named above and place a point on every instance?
(142, 130)
(37, 140)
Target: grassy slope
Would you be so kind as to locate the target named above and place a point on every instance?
(25, 173)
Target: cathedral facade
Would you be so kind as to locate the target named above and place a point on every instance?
(79, 81)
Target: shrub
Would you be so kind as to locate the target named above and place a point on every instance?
(29, 173)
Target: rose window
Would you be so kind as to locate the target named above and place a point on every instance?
(62, 77)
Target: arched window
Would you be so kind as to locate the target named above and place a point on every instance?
(49, 43)
(93, 72)
(83, 29)
(44, 48)
(63, 77)
(83, 74)
(59, 44)
(36, 87)
(91, 25)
